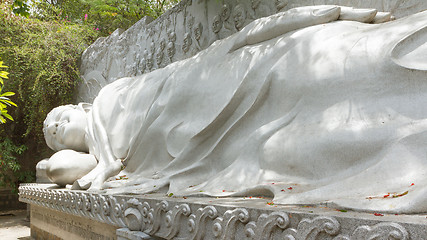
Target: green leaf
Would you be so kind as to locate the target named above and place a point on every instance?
(8, 102)
(1, 65)
(3, 74)
(7, 94)
(21, 8)
(7, 115)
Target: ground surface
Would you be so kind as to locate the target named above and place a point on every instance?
(14, 225)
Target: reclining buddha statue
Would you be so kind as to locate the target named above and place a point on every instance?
(312, 105)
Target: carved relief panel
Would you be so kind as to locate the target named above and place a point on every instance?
(191, 26)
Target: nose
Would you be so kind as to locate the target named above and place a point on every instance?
(51, 128)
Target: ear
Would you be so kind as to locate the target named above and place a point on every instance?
(411, 51)
(86, 107)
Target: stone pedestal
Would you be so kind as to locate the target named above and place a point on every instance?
(47, 223)
(64, 214)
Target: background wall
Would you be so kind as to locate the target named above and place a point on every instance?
(188, 28)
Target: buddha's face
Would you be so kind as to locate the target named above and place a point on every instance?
(239, 17)
(225, 12)
(198, 31)
(159, 56)
(255, 3)
(187, 42)
(216, 24)
(171, 50)
(172, 37)
(281, 4)
(65, 128)
(162, 45)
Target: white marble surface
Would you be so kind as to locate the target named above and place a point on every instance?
(78, 165)
(329, 113)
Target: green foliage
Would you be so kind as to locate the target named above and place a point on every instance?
(42, 52)
(3, 74)
(10, 174)
(20, 8)
(4, 100)
(43, 63)
(70, 10)
(42, 59)
(103, 15)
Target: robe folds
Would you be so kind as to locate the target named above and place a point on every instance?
(333, 113)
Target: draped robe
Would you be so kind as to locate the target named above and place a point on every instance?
(332, 113)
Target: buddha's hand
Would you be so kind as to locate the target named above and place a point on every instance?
(94, 180)
(267, 28)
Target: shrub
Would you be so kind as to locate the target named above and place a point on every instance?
(42, 59)
(4, 97)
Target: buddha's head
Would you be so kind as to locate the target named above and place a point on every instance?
(216, 24)
(239, 15)
(198, 31)
(255, 3)
(65, 127)
(159, 56)
(225, 12)
(280, 4)
(187, 42)
(171, 50)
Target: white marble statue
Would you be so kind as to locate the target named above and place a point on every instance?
(66, 133)
(296, 106)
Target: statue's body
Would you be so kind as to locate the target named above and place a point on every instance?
(328, 113)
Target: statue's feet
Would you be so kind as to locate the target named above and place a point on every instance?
(267, 28)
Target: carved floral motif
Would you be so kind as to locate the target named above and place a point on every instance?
(171, 219)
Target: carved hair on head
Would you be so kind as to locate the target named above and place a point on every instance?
(225, 11)
(56, 112)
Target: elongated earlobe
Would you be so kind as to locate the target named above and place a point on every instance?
(86, 107)
(411, 51)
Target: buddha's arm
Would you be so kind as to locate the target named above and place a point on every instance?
(108, 164)
(267, 28)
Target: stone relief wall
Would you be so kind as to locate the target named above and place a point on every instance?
(188, 28)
